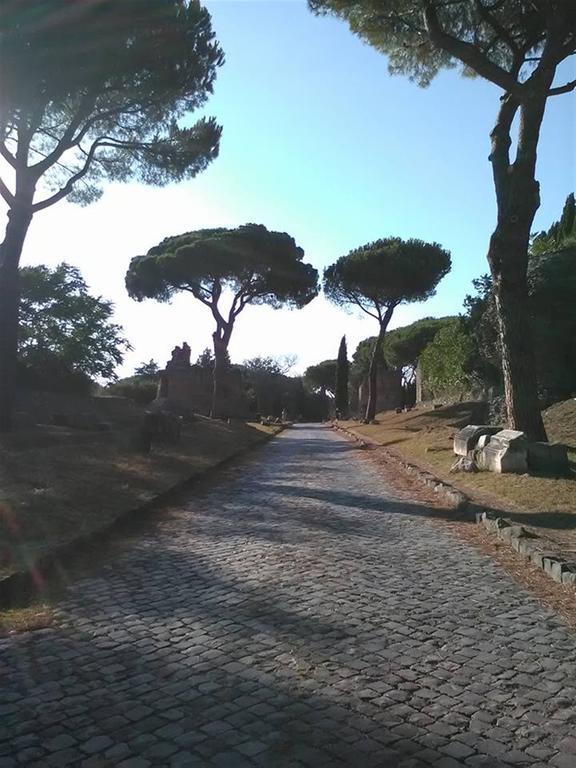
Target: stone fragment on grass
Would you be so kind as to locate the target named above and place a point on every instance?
(465, 440)
(464, 464)
(506, 452)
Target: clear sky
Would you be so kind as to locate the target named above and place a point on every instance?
(319, 141)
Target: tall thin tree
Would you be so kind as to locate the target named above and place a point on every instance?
(342, 372)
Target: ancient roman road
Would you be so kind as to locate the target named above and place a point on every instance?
(293, 614)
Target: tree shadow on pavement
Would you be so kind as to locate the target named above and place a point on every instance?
(166, 653)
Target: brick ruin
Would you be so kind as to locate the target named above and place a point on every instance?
(190, 386)
(389, 394)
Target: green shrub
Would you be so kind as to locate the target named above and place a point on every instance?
(140, 389)
(46, 372)
(445, 361)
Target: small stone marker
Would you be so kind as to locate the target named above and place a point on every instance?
(507, 451)
(465, 440)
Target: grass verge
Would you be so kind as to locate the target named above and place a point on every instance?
(425, 437)
(60, 485)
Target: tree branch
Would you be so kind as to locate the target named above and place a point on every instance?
(195, 291)
(486, 14)
(467, 53)
(67, 188)
(67, 141)
(216, 314)
(241, 300)
(388, 314)
(501, 142)
(7, 155)
(6, 194)
(354, 300)
(232, 314)
(104, 141)
(566, 88)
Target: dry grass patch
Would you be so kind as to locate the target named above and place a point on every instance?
(38, 616)
(57, 484)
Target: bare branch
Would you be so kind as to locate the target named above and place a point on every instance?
(6, 194)
(7, 155)
(104, 141)
(566, 88)
(354, 300)
(76, 132)
(67, 188)
(67, 140)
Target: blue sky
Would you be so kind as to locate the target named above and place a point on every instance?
(321, 142)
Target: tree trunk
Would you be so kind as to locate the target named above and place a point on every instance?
(220, 375)
(19, 219)
(518, 359)
(374, 363)
(518, 199)
(373, 378)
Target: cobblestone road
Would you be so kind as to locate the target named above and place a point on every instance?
(295, 615)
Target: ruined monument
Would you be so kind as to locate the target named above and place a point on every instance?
(190, 386)
(389, 394)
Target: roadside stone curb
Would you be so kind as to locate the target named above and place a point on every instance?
(525, 541)
(24, 582)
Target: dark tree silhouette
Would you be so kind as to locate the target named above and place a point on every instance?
(561, 234)
(94, 91)
(256, 267)
(322, 376)
(151, 368)
(206, 358)
(378, 277)
(62, 323)
(518, 46)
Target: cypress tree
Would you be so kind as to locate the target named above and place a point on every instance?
(568, 220)
(342, 369)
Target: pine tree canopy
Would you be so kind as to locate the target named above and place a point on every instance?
(258, 266)
(103, 90)
(386, 273)
(500, 41)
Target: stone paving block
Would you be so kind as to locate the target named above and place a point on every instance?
(185, 759)
(117, 752)
(64, 757)
(27, 755)
(230, 760)
(96, 744)
(134, 762)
